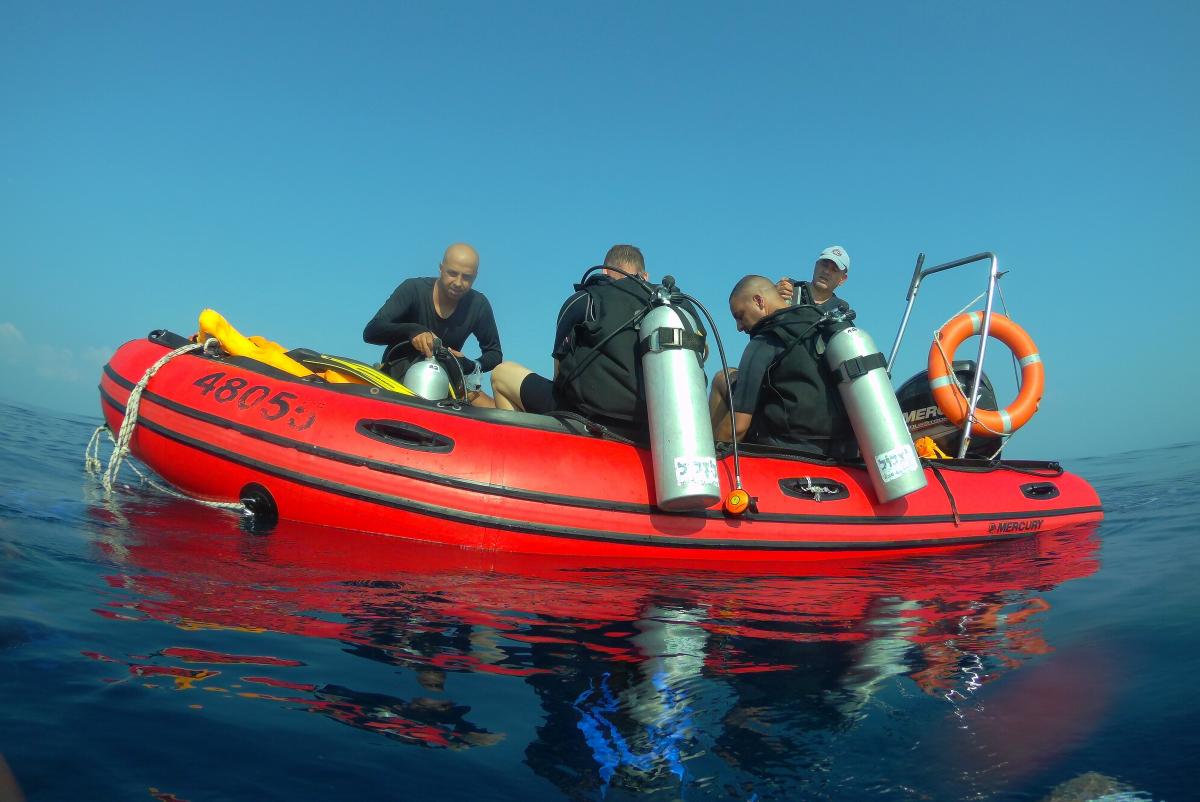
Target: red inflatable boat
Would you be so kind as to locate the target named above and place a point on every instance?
(227, 428)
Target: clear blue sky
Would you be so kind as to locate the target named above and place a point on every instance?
(289, 163)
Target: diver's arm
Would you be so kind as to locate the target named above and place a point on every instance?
(395, 322)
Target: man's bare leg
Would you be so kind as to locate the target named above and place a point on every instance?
(506, 385)
(478, 398)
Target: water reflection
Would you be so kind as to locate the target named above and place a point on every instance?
(638, 678)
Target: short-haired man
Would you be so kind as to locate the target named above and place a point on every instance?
(446, 308)
(783, 391)
(596, 372)
(830, 271)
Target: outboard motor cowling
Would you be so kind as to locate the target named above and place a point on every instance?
(925, 419)
(671, 350)
(874, 414)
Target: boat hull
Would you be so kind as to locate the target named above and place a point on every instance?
(344, 456)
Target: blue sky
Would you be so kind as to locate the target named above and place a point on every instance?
(288, 164)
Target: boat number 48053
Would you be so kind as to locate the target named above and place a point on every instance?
(273, 405)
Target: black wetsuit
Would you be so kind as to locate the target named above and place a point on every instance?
(784, 383)
(599, 373)
(409, 312)
(595, 343)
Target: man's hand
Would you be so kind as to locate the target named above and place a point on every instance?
(785, 288)
(423, 342)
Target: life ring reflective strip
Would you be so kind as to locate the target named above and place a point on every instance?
(950, 398)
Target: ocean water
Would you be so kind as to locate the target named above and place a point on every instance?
(151, 648)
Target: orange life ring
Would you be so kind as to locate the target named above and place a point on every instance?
(951, 400)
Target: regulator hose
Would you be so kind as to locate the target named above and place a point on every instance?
(737, 465)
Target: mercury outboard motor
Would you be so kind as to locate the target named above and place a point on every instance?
(671, 349)
(874, 413)
(925, 419)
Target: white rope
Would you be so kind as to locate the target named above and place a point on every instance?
(91, 456)
(131, 414)
(1003, 442)
(816, 490)
(92, 465)
(965, 308)
(1015, 362)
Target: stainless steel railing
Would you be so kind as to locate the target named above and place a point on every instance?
(919, 275)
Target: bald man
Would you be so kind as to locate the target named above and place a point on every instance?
(783, 392)
(445, 307)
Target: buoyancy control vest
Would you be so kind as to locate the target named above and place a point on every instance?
(799, 400)
(601, 376)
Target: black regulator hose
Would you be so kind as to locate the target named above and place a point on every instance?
(737, 466)
(646, 285)
(631, 323)
(443, 356)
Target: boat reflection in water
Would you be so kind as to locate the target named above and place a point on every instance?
(742, 679)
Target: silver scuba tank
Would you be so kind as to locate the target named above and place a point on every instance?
(879, 427)
(681, 436)
(427, 378)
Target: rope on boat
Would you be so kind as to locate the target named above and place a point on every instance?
(92, 465)
(937, 474)
(91, 454)
(815, 490)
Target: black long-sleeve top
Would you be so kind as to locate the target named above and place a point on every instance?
(409, 312)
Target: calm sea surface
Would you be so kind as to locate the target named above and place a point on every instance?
(151, 648)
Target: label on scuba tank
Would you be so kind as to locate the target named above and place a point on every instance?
(897, 462)
(695, 471)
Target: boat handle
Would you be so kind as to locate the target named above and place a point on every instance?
(813, 488)
(1042, 491)
(405, 435)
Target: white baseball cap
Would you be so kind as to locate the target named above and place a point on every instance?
(836, 254)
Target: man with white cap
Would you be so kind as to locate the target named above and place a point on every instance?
(783, 393)
(830, 272)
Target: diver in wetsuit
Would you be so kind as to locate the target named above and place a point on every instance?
(597, 370)
(595, 307)
(783, 391)
(447, 308)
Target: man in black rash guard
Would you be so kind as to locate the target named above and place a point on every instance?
(602, 386)
(783, 392)
(446, 308)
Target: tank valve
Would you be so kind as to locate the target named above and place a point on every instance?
(737, 502)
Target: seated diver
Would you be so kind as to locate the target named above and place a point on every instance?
(422, 311)
(597, 372)
(783, 392)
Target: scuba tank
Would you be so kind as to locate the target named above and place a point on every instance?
(671, 350)
(871, 404)
(427, 378)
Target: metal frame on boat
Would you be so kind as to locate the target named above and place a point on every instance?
(919, 275)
